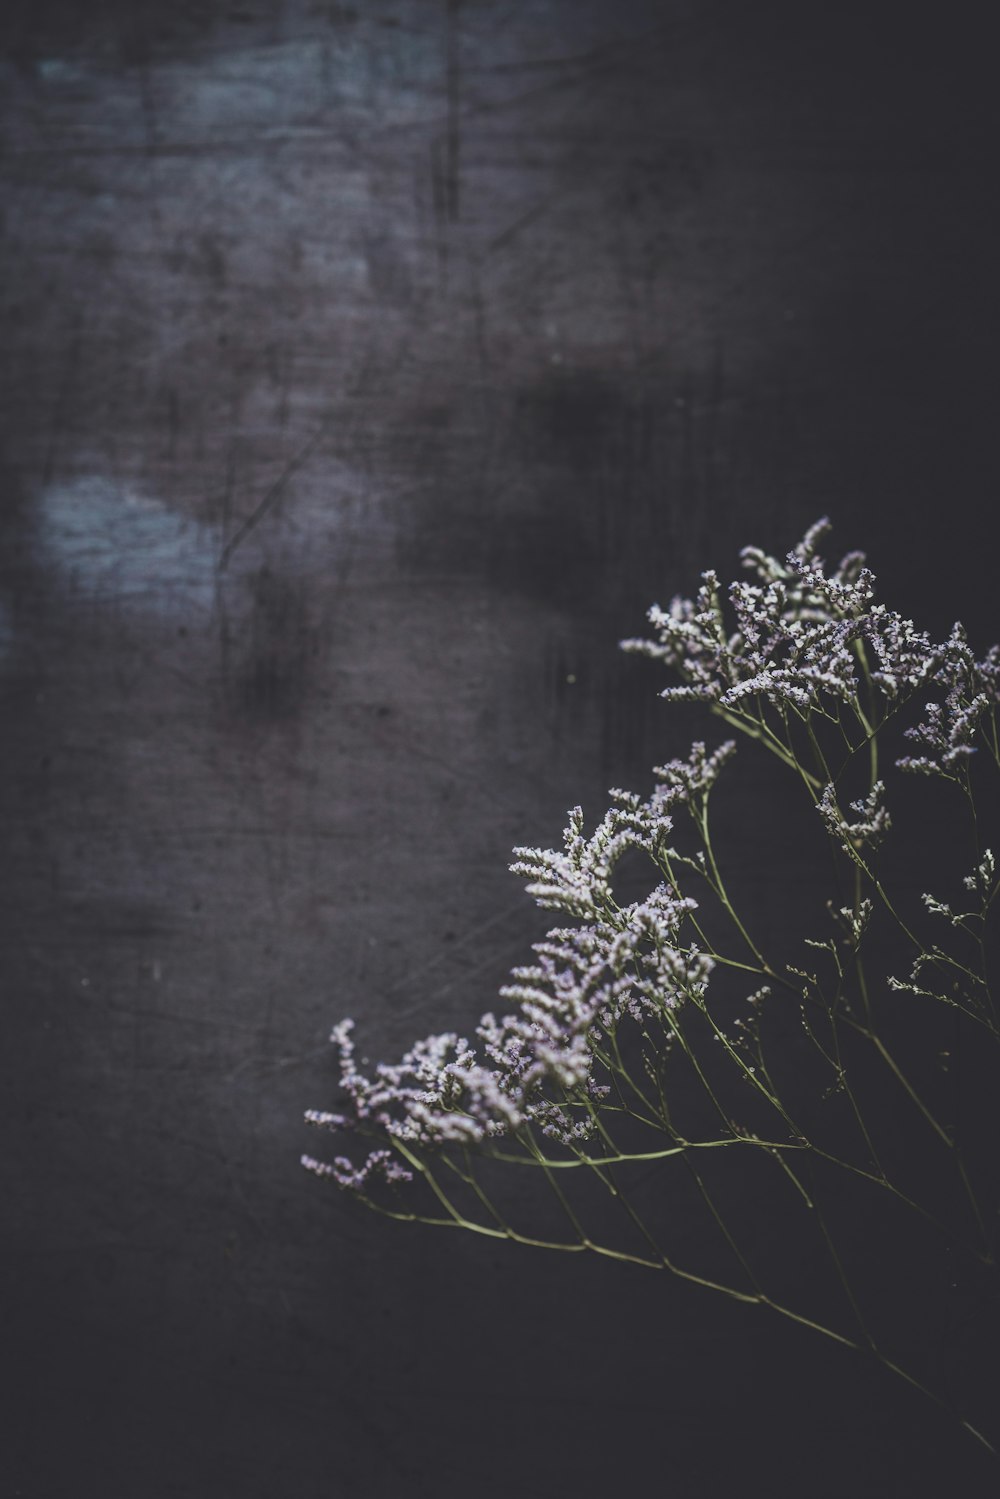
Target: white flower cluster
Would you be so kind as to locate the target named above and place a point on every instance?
(983, 878)
(577, 879)
(873, 821)
(541, 1062)
(794, 642)
(800, 635)
(948, 728)
(982, 882)
(794, 630)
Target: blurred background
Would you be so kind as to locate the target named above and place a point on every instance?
(368, 370)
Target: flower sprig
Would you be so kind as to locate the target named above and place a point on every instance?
(630, 1041)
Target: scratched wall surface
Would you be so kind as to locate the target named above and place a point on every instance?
(367, 371)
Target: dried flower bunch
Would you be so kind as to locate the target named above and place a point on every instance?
(631, 1042)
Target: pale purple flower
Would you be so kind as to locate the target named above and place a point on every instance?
(872, 822)
(794, 634)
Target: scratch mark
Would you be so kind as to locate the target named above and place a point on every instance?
(473, 935)
(147, 105)
(453, 86)
(271, 496)
(63, 393)
(524, 220)
(515, 948)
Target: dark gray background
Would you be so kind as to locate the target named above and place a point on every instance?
(368, 370)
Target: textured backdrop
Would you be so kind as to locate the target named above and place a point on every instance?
(367, 371)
